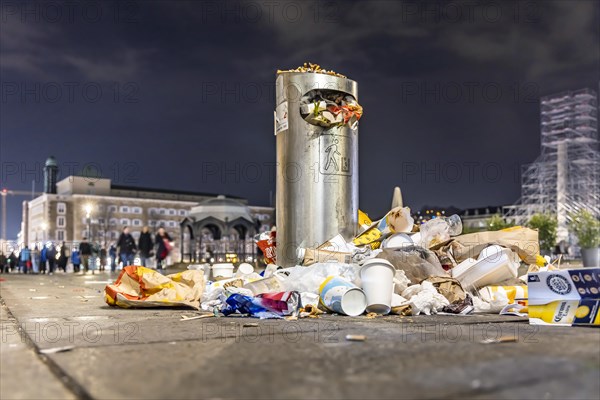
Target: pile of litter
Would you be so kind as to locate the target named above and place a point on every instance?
(392, 266)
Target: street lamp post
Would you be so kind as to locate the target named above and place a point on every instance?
(44, 227)
(88, 212)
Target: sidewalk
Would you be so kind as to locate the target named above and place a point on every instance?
(151, 354)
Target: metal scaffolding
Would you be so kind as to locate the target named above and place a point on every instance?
(566, 175)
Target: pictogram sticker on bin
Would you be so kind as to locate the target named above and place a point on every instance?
(334, 150)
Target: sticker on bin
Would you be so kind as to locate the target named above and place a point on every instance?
(281, 118)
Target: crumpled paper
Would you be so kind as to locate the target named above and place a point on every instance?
(401, 282)
(422, 299)
(140, 287)
(491, 306)
(450, 288)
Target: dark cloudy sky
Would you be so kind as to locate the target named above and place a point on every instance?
(178, 94)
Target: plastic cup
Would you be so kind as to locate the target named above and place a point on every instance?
(397, 241)
(245, 269)
(377, 276)
(222, 271)
(340, 296)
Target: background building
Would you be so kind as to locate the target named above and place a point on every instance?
(566, 175)
(79, 206)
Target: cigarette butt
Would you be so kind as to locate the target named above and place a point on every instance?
(356, 338)
(502, 339)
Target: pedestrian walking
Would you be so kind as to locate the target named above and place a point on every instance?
(12, 261)
(63, 258)
(43, 259)
(102, 258)
(76, 260)
(163, 247)
(85, 252)
(25, 258)
(112, 253)
(126, 247)
(145, 245)
(35, 259)
(51, 256)
(3, 263)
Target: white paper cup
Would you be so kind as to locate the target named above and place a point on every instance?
(340, 296)
(377, 276)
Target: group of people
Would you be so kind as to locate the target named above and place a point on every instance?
(145, 247)
(49, 257)
(35, 260)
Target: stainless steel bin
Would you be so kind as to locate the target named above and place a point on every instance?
(317, 169)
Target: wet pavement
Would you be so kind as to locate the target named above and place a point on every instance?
(96, 351)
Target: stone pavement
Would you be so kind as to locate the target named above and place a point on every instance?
(114, 353)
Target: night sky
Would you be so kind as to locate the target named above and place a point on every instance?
(179, 94)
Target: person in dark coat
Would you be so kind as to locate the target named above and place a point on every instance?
(43, 259)
(126, 247)
(145, 245)
(12, 261)
(112, 253)
(51, 256)
(63, 257)
(85, 253)
(163, 247)
(3, 263)
(102, 256)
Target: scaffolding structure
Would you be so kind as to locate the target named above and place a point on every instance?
(566, 175)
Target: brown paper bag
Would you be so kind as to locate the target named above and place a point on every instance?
(523, 241)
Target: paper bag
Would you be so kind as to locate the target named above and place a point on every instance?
(523, 241)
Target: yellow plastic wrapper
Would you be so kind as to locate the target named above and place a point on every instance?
(514, 294)
(396, 220)
(141, 287)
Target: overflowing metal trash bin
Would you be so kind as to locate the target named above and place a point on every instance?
(317, 162)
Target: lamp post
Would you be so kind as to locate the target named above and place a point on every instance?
(44, 227)
(88, 211)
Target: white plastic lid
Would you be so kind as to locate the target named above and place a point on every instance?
(377, 261)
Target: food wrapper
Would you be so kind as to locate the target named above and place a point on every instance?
(266, 242)
(141, 287)
(364, 222)
(514, 294)
(266, 305)
(313, 256)
(396, 220)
